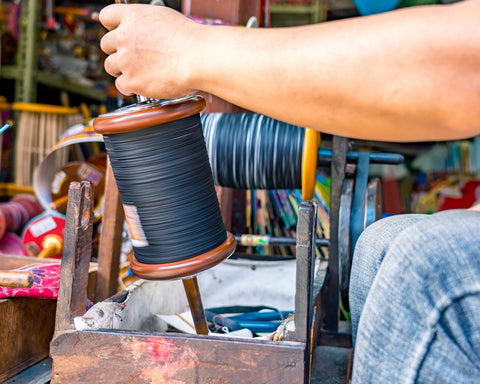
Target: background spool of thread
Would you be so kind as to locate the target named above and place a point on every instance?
(165, 182)
(76, 171)
(79, 144)
(253, 151)
(43, 236)
(11, 244)
(15, 213)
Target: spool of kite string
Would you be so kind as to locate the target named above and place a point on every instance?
(161, 167)
(253, 151)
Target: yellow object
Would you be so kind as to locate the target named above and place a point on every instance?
(85, 112)
(44, 108)
(52, 245)
(309, 163)
(10, 189)
(4, 105)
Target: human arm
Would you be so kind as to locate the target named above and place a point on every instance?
(408, 75)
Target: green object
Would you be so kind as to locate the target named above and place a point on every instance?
(412, 3)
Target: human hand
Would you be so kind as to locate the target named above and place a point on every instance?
(149, 49)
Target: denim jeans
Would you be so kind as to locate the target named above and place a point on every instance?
(415, 299)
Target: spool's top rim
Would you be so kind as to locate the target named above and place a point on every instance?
(147, 104)
(147, 114)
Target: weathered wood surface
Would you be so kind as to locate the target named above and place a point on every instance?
(119, 357)
(110, 240)
(77, 251)
(26, 328)
(305, 252)
(14, 261)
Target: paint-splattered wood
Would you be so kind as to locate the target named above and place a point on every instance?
(26, 328)
(110, 240)
(120, 357)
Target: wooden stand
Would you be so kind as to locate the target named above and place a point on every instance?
(144, 357)
(124, 356)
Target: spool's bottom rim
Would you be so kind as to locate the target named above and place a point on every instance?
(185, 268)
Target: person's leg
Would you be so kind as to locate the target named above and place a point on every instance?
(370, 250)
(421, 320)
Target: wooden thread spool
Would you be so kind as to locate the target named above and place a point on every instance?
(43, 236)
(253, 151)
(173, 196)
(77, 171)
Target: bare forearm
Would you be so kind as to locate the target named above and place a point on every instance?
(409, 75)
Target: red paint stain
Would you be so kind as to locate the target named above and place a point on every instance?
(160, 349)
(162, 360)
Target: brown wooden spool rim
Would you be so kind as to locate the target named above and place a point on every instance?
(148, 115)
(185, 268)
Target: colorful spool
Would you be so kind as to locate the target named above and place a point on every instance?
(43, 236)
(76, 171)
(15, 213)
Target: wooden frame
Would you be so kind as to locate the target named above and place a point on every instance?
(124, 356)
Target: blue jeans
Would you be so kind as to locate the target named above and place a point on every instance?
(415, 299)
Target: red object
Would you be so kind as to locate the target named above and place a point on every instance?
(30, 203)
(38, 229)
(45, 286)
(15, 214)
(469, 194)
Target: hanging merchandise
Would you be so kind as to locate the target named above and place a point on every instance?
(38, 129)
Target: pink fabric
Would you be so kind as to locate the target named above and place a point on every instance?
(45, 286)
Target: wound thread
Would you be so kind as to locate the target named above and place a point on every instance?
(253, 151)
(166, 186)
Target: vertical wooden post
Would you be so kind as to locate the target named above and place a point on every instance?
(304, 298)
(110, 244)
(77, 251)
(339, 160)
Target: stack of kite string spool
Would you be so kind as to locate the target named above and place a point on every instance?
(14, 217)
